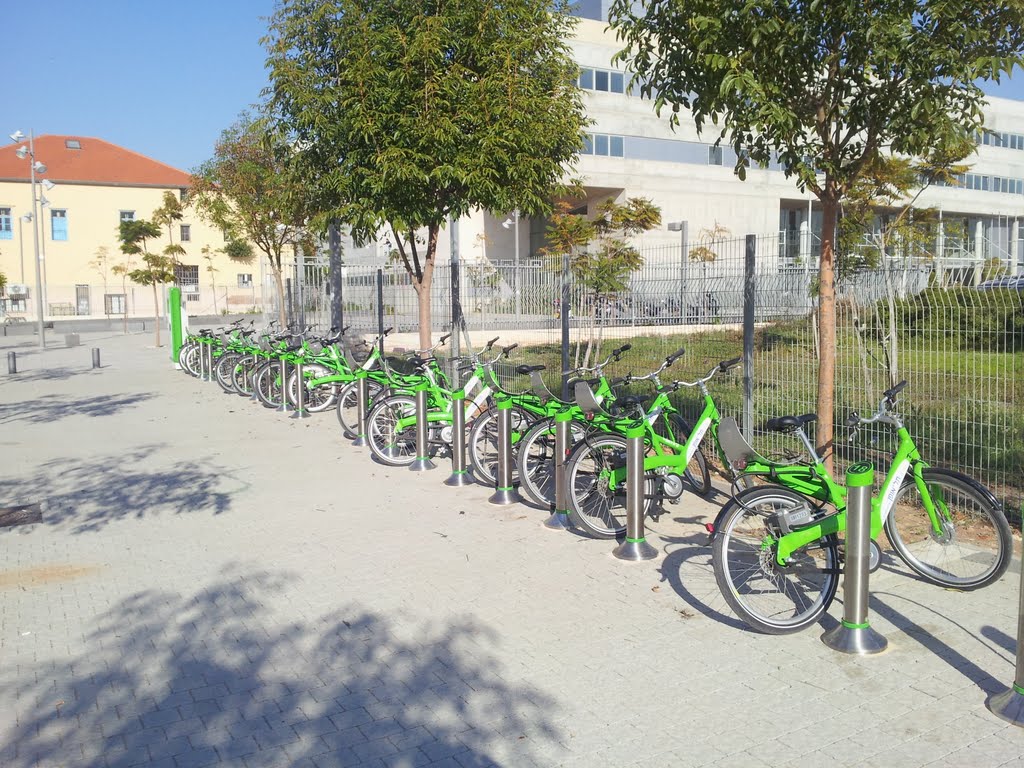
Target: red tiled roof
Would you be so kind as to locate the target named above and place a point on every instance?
(97, 162)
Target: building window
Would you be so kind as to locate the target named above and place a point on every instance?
(114, 303)
(244, 280)
(72, 143)
(618, 83)
(616, 146)
(6, 233)
(601, 80)
(587, 79)
(186, 233)
(183, 194)
(127, 216)
(714, 155)
(58, 224)
(588, 144)
(186, 274)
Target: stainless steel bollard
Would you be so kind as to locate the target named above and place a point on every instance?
(283, 373)
(504, 491)
(96, 357)
(12, 362)
(635, 547)
(854, 634)
(362, 401)
(208, 352)
(422, 462)
(459, 476)
(559, 519)
(300, 392)
(1009, 705)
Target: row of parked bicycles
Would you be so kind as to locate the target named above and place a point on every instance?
(777, 541)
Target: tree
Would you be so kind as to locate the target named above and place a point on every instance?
(824, 88)
(167, 215)
(601, 260)
(408, 112)
(246, 189)
(134, 236)
(208, 257)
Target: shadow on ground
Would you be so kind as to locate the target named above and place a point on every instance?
(211, 677)
(88, 495)
(51, 374)
(49, 408)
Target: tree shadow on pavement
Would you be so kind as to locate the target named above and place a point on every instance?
(87, 495)
(210, 677)
(52, 374)
(47, 408)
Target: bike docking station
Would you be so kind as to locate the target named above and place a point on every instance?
(635, 547)
(1009, 705)
(854, 634)
(301, 412)
(504, 491)
(283, 373)
(422, 462)
(207, 358)
(459, 476)
(362, 398)
(559, 520)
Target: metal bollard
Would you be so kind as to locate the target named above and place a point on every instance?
(854, 634)
(635, 547)
(504, 491)
(283, 373)
(12, 362)
(459, 476)
(300, 392)
(1009, 705)
(559, 519)
(96, 357)
(362, 399)
(208, 352)
(422, 462)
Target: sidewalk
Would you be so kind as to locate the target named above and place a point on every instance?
(217, 584)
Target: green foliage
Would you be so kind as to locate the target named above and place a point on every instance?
(135, 235)
(159, 269)
(239, 251)
(972, 320)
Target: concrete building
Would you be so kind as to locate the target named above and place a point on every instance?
(96, 185)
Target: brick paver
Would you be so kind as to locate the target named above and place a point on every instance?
(216, 584)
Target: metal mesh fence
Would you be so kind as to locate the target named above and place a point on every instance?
(934, 323)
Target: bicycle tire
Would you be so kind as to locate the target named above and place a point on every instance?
(482, 445)
(535, 460)
(594, 508)
(224, 370)
(347, 405)
(188, 359)
(268, 384)
(317, 399)
(241, 375)
(975, 546)
(770, 598)
(387, 445)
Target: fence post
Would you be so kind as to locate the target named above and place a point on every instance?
(563, 312)
(422, 462)
(300, 286)
(854, 634)
(289, 308)
(559, 519)
(749, 297)
(635, 547)
(504, 492)
(380, 309)
(459, 475)
(334, 245)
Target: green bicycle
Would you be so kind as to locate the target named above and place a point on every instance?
(777, 552)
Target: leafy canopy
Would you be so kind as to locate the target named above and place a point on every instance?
(409, 111)
(823, 86)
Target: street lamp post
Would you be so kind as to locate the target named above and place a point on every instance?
(683, 228)
(28, 152)
(514, 220)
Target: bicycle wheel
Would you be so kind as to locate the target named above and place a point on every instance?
(483, 443)
(347, 406)
(594, 506)
(242, 375)
(535, 460)
(188, 359)
(771, 598)
(316, 399)
(388, 444)
(676, 429)
(224, 370)
(268, 384)
(973, 547)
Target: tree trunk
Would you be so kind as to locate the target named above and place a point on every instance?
(423, 286)
(827, 331)
(156, 313)
(282, 317)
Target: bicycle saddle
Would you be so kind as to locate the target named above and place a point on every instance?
(789, 423)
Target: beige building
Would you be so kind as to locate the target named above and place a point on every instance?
(95, 186)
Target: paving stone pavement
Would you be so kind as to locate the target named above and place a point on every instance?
(216, 584)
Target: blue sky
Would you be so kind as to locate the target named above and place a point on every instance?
(160, 78)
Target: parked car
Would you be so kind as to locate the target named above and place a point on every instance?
(1009, 283)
